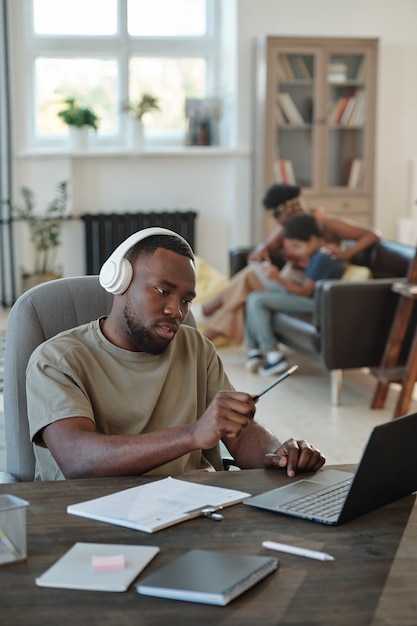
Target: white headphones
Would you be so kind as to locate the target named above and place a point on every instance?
(116, 273)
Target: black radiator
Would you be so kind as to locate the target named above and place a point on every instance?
(105, 231)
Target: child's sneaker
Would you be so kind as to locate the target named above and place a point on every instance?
(254, 361)
(276, 367)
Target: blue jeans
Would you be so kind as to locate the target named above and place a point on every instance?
(260, 307)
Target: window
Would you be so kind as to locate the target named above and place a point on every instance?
(118, 51)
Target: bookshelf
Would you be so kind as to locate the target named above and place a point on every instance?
(314, 121)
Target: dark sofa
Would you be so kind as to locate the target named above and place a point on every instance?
(351, 320)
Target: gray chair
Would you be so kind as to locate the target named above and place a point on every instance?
(37, 315)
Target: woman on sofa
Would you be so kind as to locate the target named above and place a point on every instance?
(224, 315)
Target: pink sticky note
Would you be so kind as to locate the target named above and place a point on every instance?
(106, 563)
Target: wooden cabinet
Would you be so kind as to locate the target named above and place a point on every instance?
(314, 121)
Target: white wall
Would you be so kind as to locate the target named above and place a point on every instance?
(218, 184)
(394, 24)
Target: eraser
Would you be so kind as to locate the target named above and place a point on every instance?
(107, 563)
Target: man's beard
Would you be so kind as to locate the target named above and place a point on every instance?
(143, 338)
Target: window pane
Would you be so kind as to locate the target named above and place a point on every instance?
(93, 82)
(171, 81)
(78, 17)
(166, 18)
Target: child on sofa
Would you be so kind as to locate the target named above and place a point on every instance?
(303, 238)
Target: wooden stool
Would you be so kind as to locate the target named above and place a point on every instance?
(388, 372)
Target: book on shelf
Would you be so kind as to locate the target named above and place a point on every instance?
(286, 69)
(299, 67)
(303, 65)
(157, 505)
(208, 577)
(289, 108)
(284, 172)
(360, 73)
(279, 115)
(356, 174)
(337, 72)
(358, 114)
(348, 110)
(337, 110)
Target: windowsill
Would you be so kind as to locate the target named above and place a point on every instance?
(117, 152)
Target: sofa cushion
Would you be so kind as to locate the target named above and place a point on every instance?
(356, 272)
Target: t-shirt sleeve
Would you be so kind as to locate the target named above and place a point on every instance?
(322, 265)
(52, 395)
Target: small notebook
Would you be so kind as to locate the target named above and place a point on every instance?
(74, 570)
(207, 577)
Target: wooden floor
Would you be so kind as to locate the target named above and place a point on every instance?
(300, 405)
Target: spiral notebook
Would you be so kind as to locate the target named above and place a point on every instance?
(207, 577)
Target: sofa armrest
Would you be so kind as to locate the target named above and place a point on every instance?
(238, 258)
(354, 319)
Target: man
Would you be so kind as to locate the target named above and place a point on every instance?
(137, 392)
(304, 240)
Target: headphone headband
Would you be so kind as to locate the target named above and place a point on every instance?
(116, 272)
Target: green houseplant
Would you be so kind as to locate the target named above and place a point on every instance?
(76, 115)
(45, 231)
(79, 119)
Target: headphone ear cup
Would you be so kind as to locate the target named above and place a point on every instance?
(124, 278)
(116, 273)
(116, 277)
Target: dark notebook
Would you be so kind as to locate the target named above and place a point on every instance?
(207, 577)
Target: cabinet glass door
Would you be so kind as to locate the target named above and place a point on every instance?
(296, 76)
(346, 120)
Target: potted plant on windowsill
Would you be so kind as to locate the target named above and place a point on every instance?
(79, 120)
(45, 233)
(136, 110)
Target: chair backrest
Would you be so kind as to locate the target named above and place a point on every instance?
(38, 315)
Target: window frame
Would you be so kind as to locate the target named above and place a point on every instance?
(120, 46)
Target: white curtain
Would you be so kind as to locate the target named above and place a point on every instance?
(7, 279)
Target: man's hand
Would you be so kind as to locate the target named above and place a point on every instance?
(227, 414)
(295, 456)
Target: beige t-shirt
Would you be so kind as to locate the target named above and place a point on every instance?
(79, 373)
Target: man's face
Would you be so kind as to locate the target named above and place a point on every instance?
(158, 299)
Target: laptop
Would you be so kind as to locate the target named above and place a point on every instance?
(387, 471)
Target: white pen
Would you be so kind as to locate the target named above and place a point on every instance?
(310, 554)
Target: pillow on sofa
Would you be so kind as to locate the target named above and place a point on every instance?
(209, 281)
(356, 272)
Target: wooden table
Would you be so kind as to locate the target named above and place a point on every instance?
(372, 581)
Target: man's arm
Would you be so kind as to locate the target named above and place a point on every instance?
(257, 447)
(81, 452)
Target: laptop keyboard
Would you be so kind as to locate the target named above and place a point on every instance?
(325, 503)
